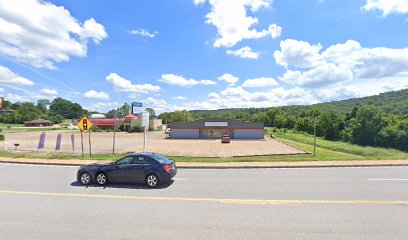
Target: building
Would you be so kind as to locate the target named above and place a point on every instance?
(216, 128)
(155, 124)
(106, 122)
(38, 123)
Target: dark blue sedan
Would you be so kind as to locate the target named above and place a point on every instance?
(149, 168)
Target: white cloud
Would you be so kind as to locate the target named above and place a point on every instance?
(387, 7)
(179, 80)
(92, 94)
(155, 103)
(319, 76)
(199, 2)
(10, 78)
(234, 92)
(49, 91)
(233, 23)
(1, 90)
(340, 63)
(245, 52)
(121, 84)
(229, 78)
(16, 98)
(180, 98)
(260, 82)
(143, 33)
(41, 34)
(103, 106)
(298, 54)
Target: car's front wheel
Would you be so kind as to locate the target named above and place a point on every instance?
(85, 178)
(101, 179)
(152, 180)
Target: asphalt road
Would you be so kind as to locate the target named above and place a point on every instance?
(45, 202)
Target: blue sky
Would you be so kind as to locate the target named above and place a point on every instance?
(201, 54)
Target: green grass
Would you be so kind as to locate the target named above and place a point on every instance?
(326, 151)
(18, 130)
(5, 125)
(343, 147)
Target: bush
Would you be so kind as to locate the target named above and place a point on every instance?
(136, 128)
(121, 128)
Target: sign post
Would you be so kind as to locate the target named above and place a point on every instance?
(85, 125)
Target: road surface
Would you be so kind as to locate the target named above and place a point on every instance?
(45, 202)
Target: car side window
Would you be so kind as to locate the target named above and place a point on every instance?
(125, 160)
(139, 160)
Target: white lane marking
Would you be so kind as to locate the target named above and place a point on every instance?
(179, 179)
(388, 179)
(37, 165)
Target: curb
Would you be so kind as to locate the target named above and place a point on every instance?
(233, 167)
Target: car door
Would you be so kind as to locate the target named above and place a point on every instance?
(119, 171)
(137, 169)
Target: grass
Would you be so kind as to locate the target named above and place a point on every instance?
(326, 151)
(369, 153)
(18, 130)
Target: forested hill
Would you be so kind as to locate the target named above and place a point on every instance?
(391, 102)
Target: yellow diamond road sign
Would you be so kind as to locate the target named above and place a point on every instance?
(85, 124)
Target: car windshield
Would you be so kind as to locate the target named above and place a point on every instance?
(161, 159)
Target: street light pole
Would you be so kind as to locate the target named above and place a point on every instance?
(314, 133)
(114, 131)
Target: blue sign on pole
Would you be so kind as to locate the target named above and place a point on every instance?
(137, 108)
(58, 143)
(41, 143)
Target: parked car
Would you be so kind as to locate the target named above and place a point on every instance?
(225, 139)
(149, 168)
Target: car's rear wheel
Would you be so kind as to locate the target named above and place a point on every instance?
(85, 178)
(152, 180)
(101, 179)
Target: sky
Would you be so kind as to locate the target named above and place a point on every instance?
(201, 54)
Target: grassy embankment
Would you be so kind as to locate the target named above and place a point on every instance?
(326, 151)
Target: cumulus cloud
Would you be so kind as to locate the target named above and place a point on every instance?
(245, 52)
(143, 33)
(103, 106)
(49, 91)
(229, 78)
(260, 82)
(16, 98)
(309, 66)
(92, 94)
(121, 84)
(8, 77)
(180, 98)
(179, 80)
(233, 22)
(41, 34)
(387, 7)
(298, 54)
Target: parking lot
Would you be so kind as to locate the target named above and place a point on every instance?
(101, 142)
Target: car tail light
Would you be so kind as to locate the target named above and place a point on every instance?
(167, 168)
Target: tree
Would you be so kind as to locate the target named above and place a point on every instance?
(181, 116)
(365, 128)
(166, 117)
(152, 113)
(124, 110)
(66, 108)
(329, 125)
(42, 104)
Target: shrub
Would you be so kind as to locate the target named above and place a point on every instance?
(136, 128)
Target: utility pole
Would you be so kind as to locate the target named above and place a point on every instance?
(144, 140)
(114, 131)
(314, 133)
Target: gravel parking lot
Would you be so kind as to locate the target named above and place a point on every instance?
(101, 142)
